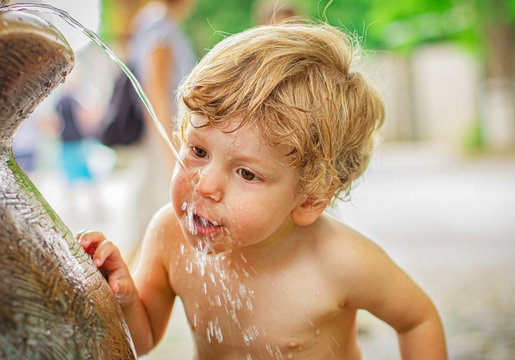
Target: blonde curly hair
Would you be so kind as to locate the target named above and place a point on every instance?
(294, 83)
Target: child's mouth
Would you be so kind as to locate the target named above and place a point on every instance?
(203, 226)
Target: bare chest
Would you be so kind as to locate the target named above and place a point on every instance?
(236, 312)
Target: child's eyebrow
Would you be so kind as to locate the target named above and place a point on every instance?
(249, 158)
(193, 134)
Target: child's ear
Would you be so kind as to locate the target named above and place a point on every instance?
(308, 211)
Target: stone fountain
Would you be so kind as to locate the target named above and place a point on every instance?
(54, 303)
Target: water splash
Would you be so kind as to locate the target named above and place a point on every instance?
(49, 9)
(250, 334)
(217, 286)
(213, 330)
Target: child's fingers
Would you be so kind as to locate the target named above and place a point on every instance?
(122, 288)
(105, 250)
(90, 236)
(89, 240)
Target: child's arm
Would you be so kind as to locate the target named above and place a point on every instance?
(152, 274)
(146, 302)
(407, 308)
(108, 259)
(382, 288)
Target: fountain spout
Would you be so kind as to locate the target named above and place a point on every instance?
(54, 303)
(33, 62)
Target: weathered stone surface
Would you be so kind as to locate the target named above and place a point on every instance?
(54, 303)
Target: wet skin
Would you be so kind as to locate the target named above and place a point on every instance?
(260, 270)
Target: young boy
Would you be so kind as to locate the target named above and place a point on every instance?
(274, 125)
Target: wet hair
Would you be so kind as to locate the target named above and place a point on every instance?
(293, 82)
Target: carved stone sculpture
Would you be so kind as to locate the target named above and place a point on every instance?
(54, 303)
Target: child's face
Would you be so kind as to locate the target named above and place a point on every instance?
(237, 192)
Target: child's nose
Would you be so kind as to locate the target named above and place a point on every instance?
(209, 182)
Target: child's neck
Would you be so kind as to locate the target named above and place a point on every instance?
(271, 249)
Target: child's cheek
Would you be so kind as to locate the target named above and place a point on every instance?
(180, 182)
(177, 168)
(244, 212)
(177, 192)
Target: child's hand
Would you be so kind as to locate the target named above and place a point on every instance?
(107, 257)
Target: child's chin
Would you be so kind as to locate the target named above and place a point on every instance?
(206, 245)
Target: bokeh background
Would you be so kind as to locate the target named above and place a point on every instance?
(438, 196)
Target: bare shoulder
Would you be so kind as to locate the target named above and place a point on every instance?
(343, 246)
(163, 232)
(161, 240)
(349, 257)
(164, 220)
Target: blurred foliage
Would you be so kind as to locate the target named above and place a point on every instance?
(398, 25)
(473, 138)
(106, 31)
(213, 20)
(395, 25)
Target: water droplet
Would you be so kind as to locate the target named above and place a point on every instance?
(333, 355)
(249, 305)
(293, 344)
(335, 341)
(269, 349)
(249, 335)
(219, 335)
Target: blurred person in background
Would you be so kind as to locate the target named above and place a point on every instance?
(161, 55)
(73, 154)
(75, 117)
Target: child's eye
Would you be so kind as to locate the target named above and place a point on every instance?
(247, 175)
(199, 152)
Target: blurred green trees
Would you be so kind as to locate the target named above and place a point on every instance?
(398, 25)
(395, 25)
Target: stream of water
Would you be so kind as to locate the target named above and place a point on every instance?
(216, 286)
(49, 9)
